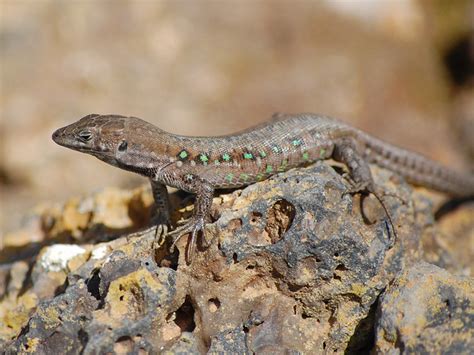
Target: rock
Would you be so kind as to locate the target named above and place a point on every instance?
(288, 265)
(427, 310)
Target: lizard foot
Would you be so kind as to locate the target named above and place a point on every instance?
(161, 231)
(366, 188)
(193, 226)
(360, 188)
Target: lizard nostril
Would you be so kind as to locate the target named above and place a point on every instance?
(55, 135)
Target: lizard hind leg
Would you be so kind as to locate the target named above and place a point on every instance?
(366, 189)
(360, 177)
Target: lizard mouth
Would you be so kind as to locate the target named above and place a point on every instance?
(63, 139)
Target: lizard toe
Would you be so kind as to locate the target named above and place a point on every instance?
(161, 232)
(193, 226)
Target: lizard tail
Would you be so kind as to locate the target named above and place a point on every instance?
(417, 169)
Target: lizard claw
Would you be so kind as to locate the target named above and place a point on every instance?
(362, 187)
(182, 222)
(193, 226)
(161, 232)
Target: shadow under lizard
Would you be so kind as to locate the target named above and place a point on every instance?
(200, 165)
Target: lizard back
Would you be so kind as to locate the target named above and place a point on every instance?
(295, 140)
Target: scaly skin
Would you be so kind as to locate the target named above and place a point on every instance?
(202, 164)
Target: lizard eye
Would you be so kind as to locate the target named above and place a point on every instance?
(85, 136)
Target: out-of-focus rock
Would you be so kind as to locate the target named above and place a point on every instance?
(427, 310)
(451, 244)
(105, 215)
(288, 264)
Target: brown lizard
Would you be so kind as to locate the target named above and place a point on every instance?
(202, 164)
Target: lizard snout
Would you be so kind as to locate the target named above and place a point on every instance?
(56, 135)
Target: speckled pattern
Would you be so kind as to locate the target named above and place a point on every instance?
(202, 164)
(243, 158)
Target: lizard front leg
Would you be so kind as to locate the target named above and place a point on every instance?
(202, 208)
(161, 212)
(345, 151)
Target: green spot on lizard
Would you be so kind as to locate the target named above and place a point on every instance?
(203, 158)
(226, 157)
(183, 154)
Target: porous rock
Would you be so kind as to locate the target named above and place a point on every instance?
(427, 310)
(288, 265)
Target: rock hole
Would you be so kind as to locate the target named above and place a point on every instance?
(83, 337)
(255, 217)
(123, 345)
(324, 345)
(341, 267)
(294, 309)
(448, 305)
(363, 339)
(184, 318)
(93, 284)
(250, 267)
(336, 254)
(121, 298)
(214, 304)
(336, 277)
(217, 277)
(280, 218)
(235, 258)
(235, 224)
(294, 288)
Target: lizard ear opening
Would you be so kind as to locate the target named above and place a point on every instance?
(123, 146)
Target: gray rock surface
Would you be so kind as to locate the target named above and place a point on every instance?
(427, 310)
(288, 265)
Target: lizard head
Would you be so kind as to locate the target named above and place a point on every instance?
(118, 140)
(94, 134)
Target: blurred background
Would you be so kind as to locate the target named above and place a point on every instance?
(399, 69)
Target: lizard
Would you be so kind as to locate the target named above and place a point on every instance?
(200, 165)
